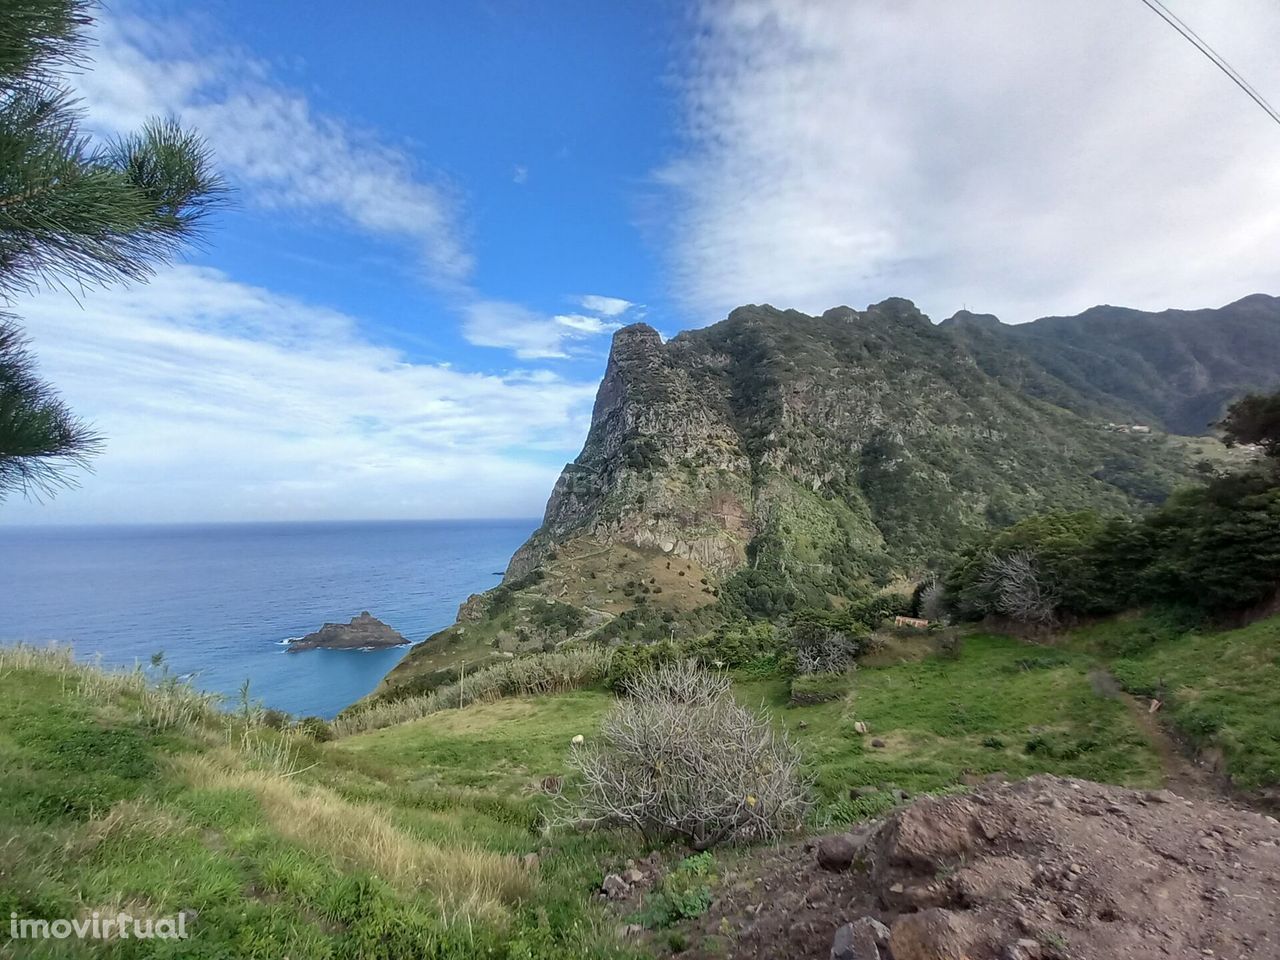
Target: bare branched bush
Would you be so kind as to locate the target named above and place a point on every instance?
(678, 757)
(823, 649)
(1019, 590)
(933, 601)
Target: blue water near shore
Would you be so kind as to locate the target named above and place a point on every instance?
(218, 600)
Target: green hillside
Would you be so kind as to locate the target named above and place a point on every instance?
(412, 840)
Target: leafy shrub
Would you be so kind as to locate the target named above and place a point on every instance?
(872, 611)
(758, 594)
(1215, 547)
(684, 894)
(809, 689)
(736, 643)
(1200, 720)
(630, 661)
(315, 728)
(275, 719)
(678, 757)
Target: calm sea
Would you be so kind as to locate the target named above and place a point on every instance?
(218, 600)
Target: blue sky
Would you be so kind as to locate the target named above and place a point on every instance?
(443, 211)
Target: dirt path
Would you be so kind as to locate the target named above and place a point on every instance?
(1181, 775)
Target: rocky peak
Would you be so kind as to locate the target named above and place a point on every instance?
(635, 363)
(899, 310)
(965, 319)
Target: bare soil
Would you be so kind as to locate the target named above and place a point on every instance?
(1046, 868)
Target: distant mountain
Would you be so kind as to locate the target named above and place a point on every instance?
(809, 459)
(1176, 369)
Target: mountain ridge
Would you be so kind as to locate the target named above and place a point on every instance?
(777, 460)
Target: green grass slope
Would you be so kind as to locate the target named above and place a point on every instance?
(277, 847)
(1220, 689)
(410, 841)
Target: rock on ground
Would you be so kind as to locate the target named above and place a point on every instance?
(1043, 869)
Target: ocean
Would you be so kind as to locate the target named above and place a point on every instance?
(219, 600)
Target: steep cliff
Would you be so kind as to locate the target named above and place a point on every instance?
(807, 459)
(853, 445)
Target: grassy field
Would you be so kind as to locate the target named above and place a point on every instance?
(410, 841)
(997, 705)
(277, 848)
(1221, 689)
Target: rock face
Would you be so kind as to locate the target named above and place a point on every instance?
(848, 445)
(362, 633)
(1043, 869)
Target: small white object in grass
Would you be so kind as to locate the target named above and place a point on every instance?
(860, 727)
(579, 740)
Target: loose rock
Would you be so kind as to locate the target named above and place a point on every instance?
(836, 852)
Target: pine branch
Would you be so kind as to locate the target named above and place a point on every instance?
(41, 440)
(38, 35)
(72, 213)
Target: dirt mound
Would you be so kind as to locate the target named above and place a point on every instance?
(1046, 868)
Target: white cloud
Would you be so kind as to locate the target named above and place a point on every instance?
(277, 149)
(510, 326)
(1019, 157)
(520, 174)
(225, 401)
(605, 306)
(584, 324)
(529, 334)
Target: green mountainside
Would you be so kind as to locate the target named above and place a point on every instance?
(1176, 369)
(776, 460)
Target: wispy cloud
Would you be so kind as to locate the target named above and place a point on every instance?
(605, 306)
(1024, 158)
(270, 140)
(225, 401)
(584, 324)
(527, 333)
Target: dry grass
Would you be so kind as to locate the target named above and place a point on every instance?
(465, 880)
(522, 677)
(166, 702)
(125, 822)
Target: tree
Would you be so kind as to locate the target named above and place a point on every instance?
(75, 213)
(1254, 419)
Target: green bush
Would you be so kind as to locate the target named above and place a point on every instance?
(812, 688)
(1214, 547)
(684, 894)
(736, 643)
(315, 728)
(628, 662)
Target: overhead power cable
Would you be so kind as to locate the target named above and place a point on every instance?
(1171, 18)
